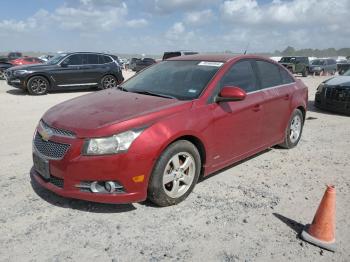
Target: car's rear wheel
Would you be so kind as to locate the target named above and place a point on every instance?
(108, 81)
(38, 85)
(175, 174)
(294, 130)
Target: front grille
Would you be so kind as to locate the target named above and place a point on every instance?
(56, 131)
(50, 149)
(338, 94)
(56, 181)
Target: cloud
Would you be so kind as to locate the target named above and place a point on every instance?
(197, 18)
(135, 23)
(88, 18)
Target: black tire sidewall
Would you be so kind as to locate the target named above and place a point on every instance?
(29, 83)
(156, 192)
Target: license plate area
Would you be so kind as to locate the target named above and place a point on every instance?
(42, 166)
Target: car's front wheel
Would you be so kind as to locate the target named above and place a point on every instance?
(175, 174)
(38, 85)
(294, 130)
(2, 74)
(108, 81)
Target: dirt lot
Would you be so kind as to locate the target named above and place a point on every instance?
(252, 211)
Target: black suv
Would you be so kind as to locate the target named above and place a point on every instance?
(67, 71)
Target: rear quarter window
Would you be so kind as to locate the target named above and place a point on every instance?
(286, 77)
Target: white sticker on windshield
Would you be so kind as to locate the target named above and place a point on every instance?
(206, 63)
(192, 90)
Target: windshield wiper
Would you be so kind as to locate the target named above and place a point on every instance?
(144, 92)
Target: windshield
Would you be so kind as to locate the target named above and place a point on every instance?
(54, 60)
(318, 62)
(184, 80)
(347, 73)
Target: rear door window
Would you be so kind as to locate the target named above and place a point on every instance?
(241, 75)
(270, 75)
(92, 59)
(286, 77)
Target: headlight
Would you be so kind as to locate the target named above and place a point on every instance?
(320, 87)
(21, 72)
(111, 145)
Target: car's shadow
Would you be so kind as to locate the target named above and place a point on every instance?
(80, 205)
(311, 108)
(21, 92)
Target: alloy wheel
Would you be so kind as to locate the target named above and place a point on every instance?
(109, 82)
(179, 174)
(295, 128)
(38, 86)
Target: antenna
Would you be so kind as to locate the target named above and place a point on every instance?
(246, 48)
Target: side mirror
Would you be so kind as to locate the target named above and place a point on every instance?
(231, 93)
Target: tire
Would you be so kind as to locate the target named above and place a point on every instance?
(2, 74)
(294, 130)
(108, 81)
(38, 85)
(169, 185)
(305, 72)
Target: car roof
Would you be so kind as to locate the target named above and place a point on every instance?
(94, 53)
(214, 57)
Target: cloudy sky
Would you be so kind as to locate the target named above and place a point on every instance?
(153, 26)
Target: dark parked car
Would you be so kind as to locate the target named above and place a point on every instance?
(323, 65)
(67, 71)
(334, 94)
(3, 67)
(296, 64)
(157, 133)
(133, 62)
(171, 54)
(10, 56)
(343, 66)
(143, 63)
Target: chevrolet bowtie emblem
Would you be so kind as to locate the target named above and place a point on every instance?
(46, 134)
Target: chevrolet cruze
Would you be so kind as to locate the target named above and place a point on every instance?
(157, 133)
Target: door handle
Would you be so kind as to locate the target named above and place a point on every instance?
(286, 97)
(257, 108)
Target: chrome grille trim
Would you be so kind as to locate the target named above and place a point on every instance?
(49, 149)
(56, 131)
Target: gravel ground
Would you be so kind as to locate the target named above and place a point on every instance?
(252, 211)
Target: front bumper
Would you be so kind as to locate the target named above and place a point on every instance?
(15, 81)
(334, 99)
(74, 169)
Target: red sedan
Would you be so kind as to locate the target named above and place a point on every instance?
(26, 61)
(156, 134)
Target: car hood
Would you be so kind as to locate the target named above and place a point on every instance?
(111, 111)
(35, 67)
(339, 80)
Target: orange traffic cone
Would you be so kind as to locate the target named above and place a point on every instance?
(321, 231)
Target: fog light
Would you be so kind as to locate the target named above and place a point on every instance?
(110, 186)
(101, 187)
